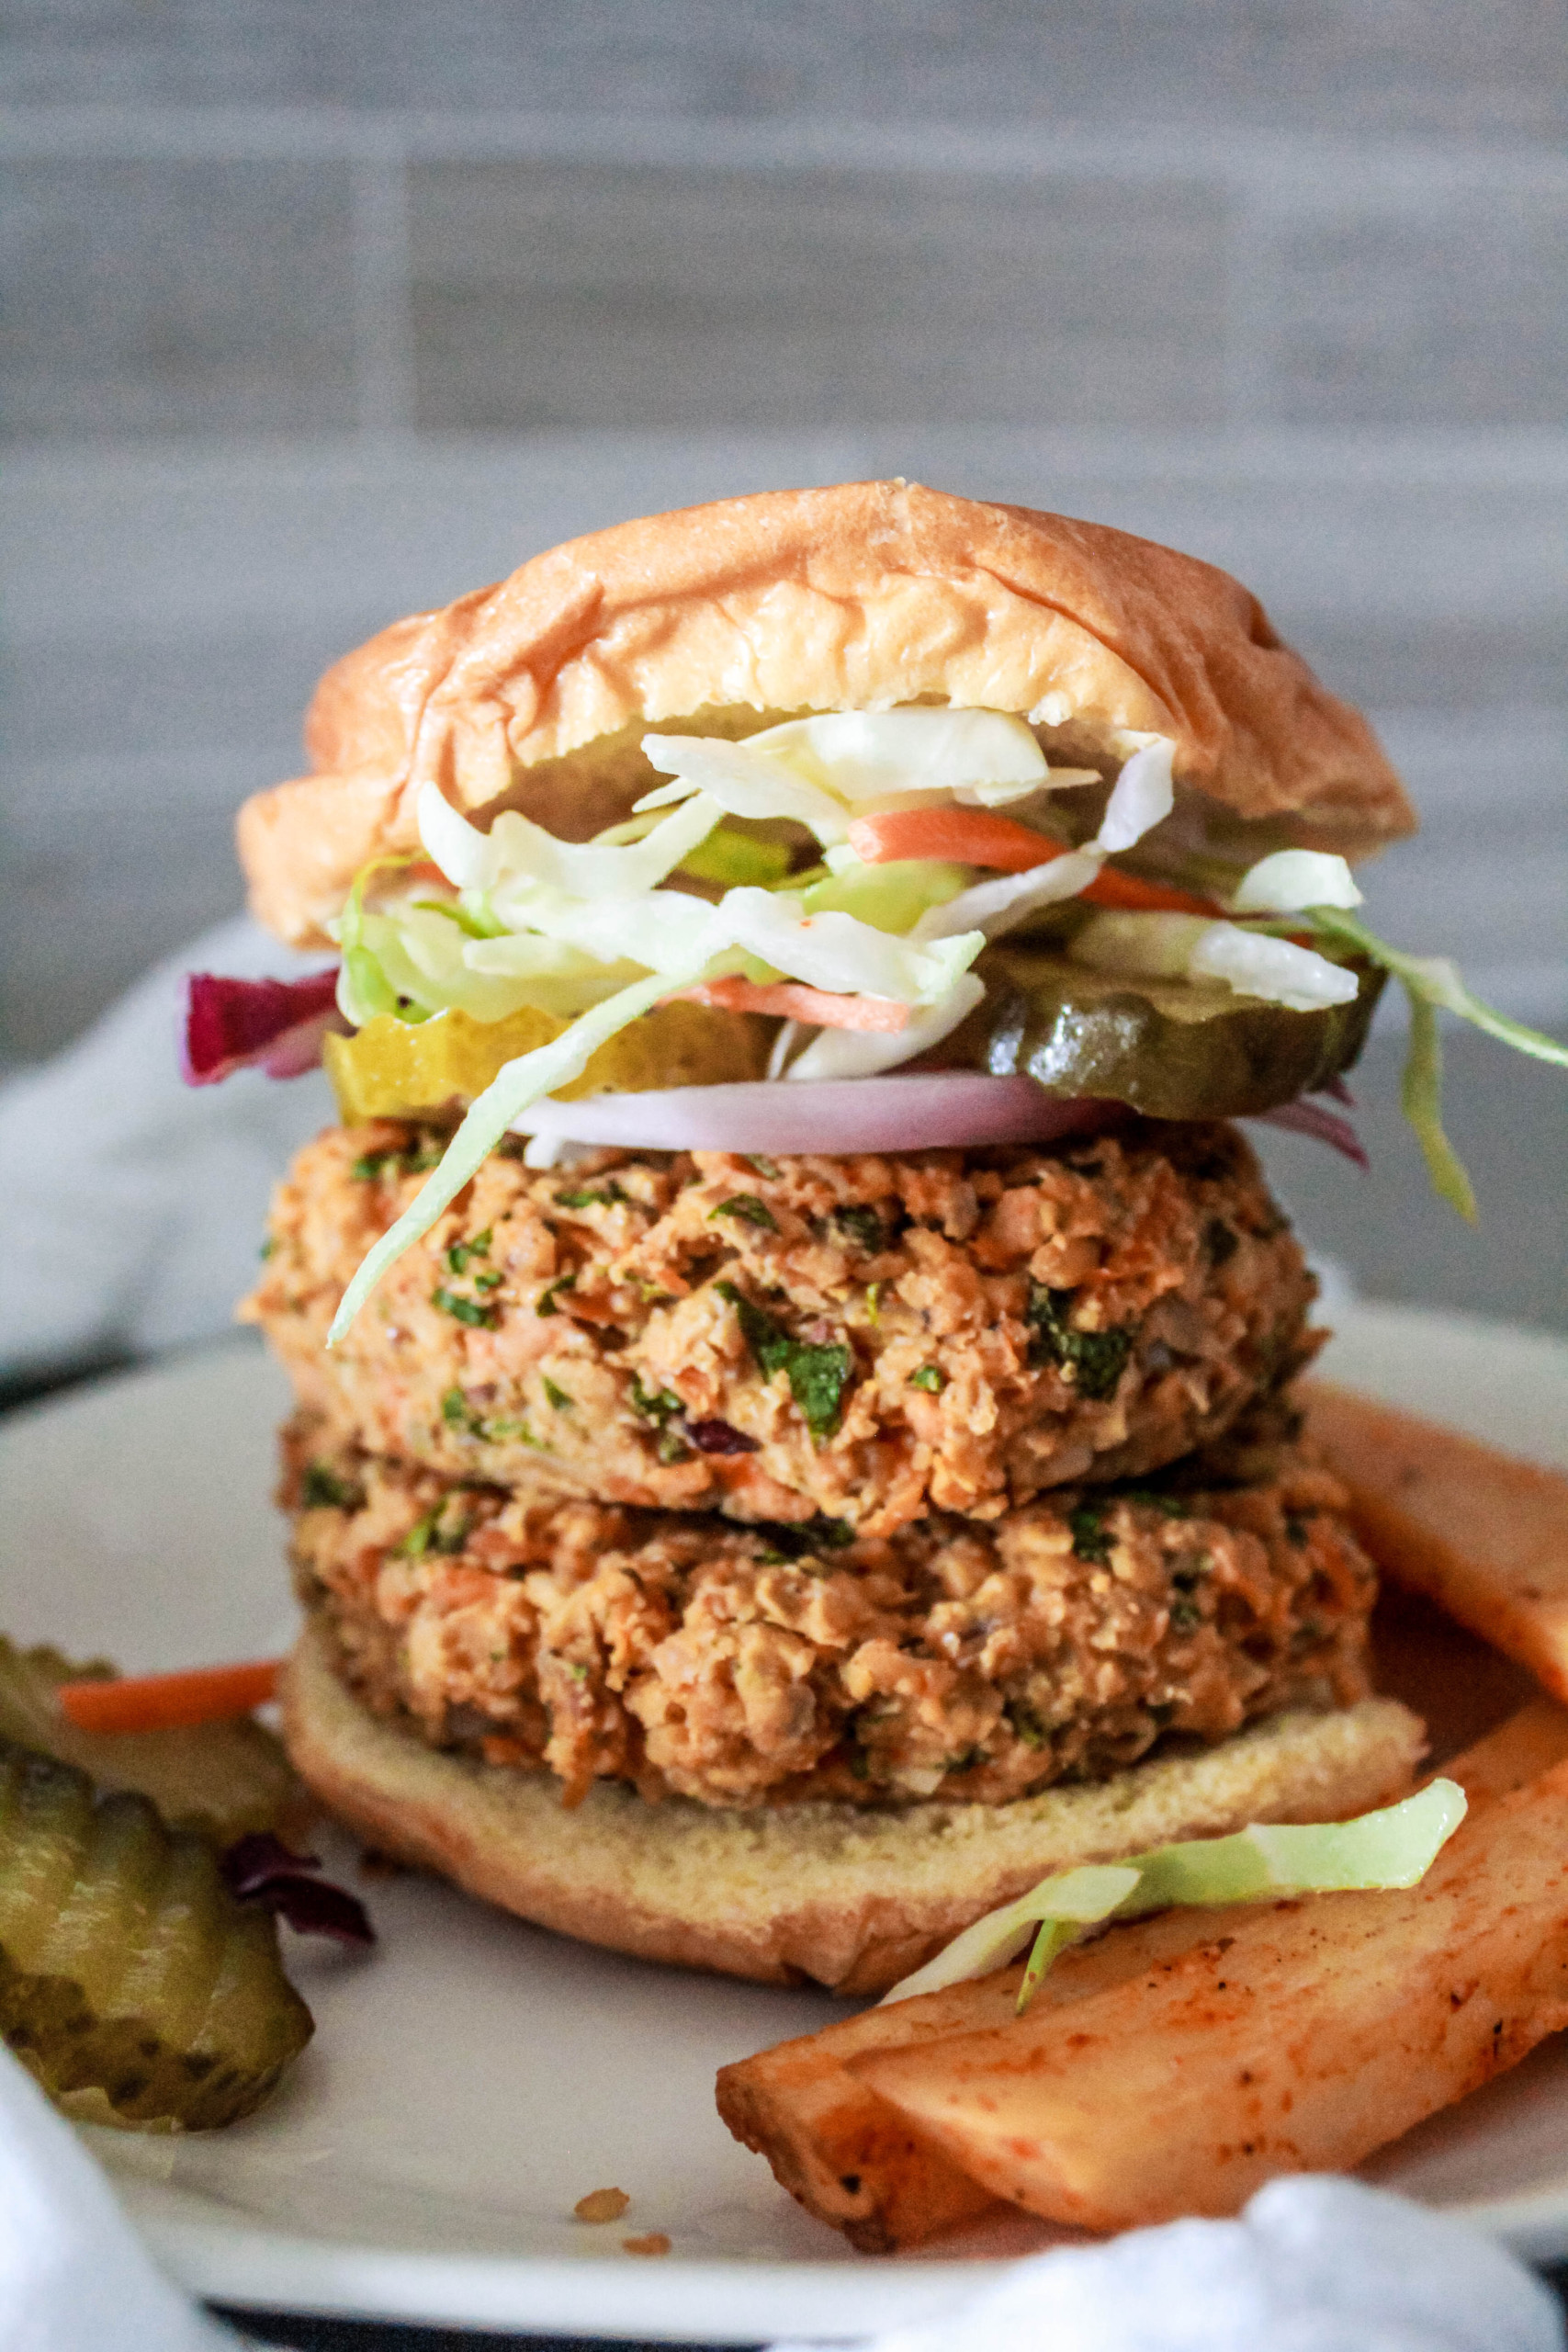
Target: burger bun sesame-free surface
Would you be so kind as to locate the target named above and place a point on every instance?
(809, 1892)
(724, 619)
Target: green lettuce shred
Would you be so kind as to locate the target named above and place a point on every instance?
(1433, 984)
(369, 991)
(1392, 1848)
(1421, 1099)
(1440, 983)
(507, 1096)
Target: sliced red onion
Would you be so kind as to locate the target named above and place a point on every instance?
(886, 1114)
(253, 1861)
(260, 1869)
(274, 1025)
(1305, 1118)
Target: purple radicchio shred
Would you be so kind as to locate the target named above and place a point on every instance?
(719, 1437)
(260, 1869)
(274, 1025)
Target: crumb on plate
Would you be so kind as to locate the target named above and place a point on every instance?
(602, 2205)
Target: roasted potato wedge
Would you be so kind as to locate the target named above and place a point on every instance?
(850, 2158)
(840, 2151)
(845, 2155)
(1484, 1536)
(1299, 2038)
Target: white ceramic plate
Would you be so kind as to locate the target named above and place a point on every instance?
(471, 2080)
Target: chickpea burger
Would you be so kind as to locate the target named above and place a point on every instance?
(792, 1436)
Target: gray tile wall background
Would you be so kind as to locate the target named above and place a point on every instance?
(186, 268)
(311, 314)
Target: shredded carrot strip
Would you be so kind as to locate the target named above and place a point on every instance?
(202, 1694)
(792, 1001)
(1111, 888)
(959, 836)
(978, 837)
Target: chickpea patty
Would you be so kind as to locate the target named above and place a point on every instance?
(744, 1667)
(867, 1339)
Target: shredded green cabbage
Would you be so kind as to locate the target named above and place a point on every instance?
(1070, 1900)
(508, 1094)
(585, 931)
(821, 771)
(890, 898)
(364, 989)
(1421, 1099)
(1394, 1847)
(1437, 981)
(1433, 985)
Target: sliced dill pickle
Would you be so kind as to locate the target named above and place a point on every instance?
(1167, 1048)
(221, 1779)
(677, 1045)
(393, 1068)
(133, 1985)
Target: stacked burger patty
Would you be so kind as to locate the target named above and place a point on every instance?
(867, 1479)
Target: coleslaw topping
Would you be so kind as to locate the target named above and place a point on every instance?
(683, 898)
(590, 933)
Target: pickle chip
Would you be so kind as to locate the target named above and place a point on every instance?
(133, 1985)
(393, 1068)
(1166, 1047)
(677, 1045)
(223, 1780)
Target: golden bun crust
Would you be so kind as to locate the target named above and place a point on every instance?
(824, 1893)
(724, 618)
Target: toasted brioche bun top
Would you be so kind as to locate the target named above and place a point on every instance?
(727, 618)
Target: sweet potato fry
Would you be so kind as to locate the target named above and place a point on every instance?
(1297, 2037)
(1485, 1536)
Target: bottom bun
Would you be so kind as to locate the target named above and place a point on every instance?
(827, 1894)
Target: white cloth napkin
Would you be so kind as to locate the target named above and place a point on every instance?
(134, 1202)
(1313, 2265)
(73, 2275)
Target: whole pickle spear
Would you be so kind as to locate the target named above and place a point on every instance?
(225, 1778)
(133, 1985)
